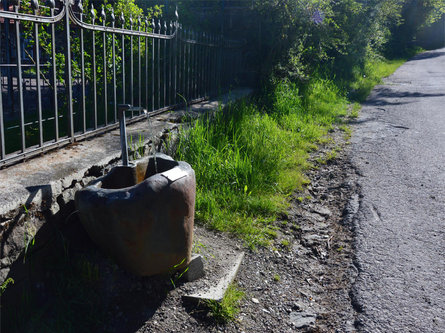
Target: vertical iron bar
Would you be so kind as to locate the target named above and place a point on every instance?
(93, 17)
(192, 64)
(184, 69)
(82, 69)
(179, 63)
(39, 91)
(146, 66)
(215, 72)
(69, 83)
(188, 65)
(198, 69)
(131, 67)
(204, 64)
(19, 80)
(113, 54)
(139, 65)
(2, 133)
(198, 65)
(104, 40)
(123, 58)
(153, 25)
(175, 62)
(165, 64)
(209, 65)
(10, 87)
(159, 65)
(170, 66)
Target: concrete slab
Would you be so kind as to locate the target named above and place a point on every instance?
(226, 276)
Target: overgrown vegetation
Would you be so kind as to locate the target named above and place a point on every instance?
(249, 157)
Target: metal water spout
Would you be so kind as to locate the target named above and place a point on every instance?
(122, 108)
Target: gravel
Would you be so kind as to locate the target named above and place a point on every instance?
(302, 282)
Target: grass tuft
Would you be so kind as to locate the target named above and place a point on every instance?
(228, 308)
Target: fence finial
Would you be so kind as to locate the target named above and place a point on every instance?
(113, 18)
(165, 27)
(176, 13)
(52, 4)
(122, 18)
(153, 25)
(93, 12)
(159, 25)
(131, 21)
(35, 4)
(102, 14)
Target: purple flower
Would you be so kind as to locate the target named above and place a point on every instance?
(317, 17)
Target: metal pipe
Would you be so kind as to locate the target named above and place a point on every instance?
(123, 132)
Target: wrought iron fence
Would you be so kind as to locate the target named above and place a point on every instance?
(63, 73)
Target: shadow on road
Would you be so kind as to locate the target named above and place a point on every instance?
(428, 55)
(383, 96)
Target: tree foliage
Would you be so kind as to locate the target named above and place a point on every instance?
(297, 38)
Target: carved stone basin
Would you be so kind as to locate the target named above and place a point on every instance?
(142, 214)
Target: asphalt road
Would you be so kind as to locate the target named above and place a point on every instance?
(398, 149)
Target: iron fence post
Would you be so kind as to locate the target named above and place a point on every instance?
(68, 82)
(93, 18)
(20, 81)
(82, 69)
(105, 93)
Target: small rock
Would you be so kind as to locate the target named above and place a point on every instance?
(195, 269)
(302, 319)
(297, 307)
(256, 301)
(323, 211)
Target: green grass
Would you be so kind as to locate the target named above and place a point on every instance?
(228, 308)
(372, 74)
(249, 157)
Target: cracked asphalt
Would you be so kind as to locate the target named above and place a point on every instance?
(398, 150)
